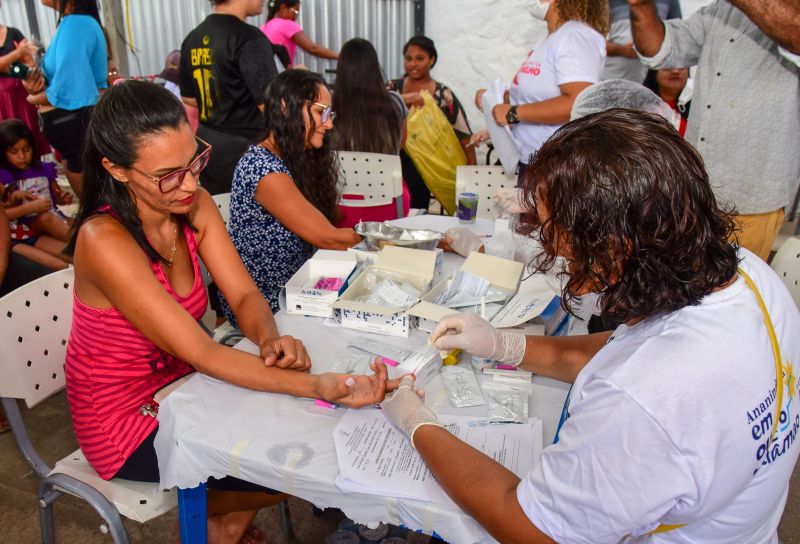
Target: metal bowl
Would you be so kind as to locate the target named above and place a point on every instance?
(379, 234)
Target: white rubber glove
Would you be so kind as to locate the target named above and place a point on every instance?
(406, 408)
(473, 334)
(462, 240)
(509, 200)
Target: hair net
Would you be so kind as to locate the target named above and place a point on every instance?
(621, 93)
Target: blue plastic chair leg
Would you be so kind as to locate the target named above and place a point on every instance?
(192, 515)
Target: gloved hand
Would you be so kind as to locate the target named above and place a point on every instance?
(473, 334)
(509, 200)
(406, 408)
(462, 240)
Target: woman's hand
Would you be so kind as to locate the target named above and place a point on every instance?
(499, 113)
(62, 197)
(478, 138)
(34, 83)
(478, 96)
(18, 197)
(26, 50)
(356, 391)
(406, 408)
(461, 240)
(285, 352)
(471, 333)
(37, 206)
(413, 100)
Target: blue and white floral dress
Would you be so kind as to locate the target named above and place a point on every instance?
(271, 252)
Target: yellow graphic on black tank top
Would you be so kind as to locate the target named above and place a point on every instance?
(202, 61)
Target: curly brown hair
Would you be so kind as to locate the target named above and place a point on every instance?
(592, 12)
(314, 171)
(627, 202)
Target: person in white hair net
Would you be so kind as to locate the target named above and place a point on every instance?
(612, 93)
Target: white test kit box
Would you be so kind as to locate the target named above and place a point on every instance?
(303, 298)
(502, 274)
(413, 266)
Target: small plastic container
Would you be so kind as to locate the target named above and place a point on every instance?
(467, 211)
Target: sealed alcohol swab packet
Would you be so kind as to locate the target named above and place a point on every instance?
(391, 355)
(352, 361)
(461, 386)
(507, 404)
(423, 363)
(500, 375)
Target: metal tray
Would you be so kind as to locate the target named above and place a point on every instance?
(379, 234)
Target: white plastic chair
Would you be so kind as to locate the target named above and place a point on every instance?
(786, 263)
(371, 179)
(483, 180)
(223, 202)
(36, 321)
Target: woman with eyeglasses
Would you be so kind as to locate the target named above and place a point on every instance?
(285, 194)
(282, 29)
(142, 226)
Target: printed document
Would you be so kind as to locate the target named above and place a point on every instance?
(376, 459)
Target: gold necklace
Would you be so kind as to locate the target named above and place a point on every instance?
(174, 246)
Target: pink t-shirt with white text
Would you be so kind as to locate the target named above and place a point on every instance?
(280, 32)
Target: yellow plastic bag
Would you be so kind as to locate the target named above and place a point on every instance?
(435, 150)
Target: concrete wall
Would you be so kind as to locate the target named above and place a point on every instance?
(479, 41)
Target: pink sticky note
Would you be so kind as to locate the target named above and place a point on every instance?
(390, 362)
(325, 404)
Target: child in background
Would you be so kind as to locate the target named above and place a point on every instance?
(29, 192)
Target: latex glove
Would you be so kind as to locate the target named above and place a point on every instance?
(406, 408)
(473, 334)
(462, 240)
(509, 200)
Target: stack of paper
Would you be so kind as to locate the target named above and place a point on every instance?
(376, 459)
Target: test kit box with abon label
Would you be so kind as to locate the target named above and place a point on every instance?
(315, 287)
(412, 267)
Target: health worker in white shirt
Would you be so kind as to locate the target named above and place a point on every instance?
(570, 58)
(682, 424)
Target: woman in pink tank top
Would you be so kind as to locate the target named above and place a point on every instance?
(143, 223)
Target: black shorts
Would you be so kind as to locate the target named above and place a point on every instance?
(66, 131)
(142, 466)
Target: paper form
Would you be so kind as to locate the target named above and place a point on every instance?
(376, 459)
(505, 144)
(534, 295)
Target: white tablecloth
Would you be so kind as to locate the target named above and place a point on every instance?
(210, 428)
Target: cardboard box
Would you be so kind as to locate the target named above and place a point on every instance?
(364, 254)
(304, 300)
(503, 275)
(415, 266)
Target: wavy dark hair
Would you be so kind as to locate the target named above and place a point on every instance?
(424, 43)
(314, 171)
(12, 131)
(79, 7)
(627, 201)
(275, 5)
(125, 115)
(367, 118)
